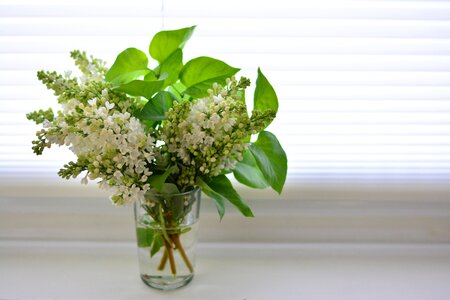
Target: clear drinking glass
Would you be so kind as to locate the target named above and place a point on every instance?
(166, 230)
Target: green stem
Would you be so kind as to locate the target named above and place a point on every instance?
(163, 224)
(162, 264)
(179, 246)
(173, 268)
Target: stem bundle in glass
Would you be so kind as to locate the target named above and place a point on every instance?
(170, 245)
(165, 218)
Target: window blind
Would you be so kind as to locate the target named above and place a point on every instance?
(363, 86)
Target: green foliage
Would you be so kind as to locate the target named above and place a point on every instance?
(157, 180)
(177, 89)
(164, 43)
(248, 173)
(150, 76)
(219, 200)
(158, 242)
(129, 65)
(149, 238)
(156, 108)
(271, 159)
(200, 73)
(142, 88)
(265, 97)
(144, 236)
(171, 67)
(220, 189)
(170, 188)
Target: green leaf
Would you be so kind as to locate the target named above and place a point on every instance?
(144, 236)
(130, 64)
(177, 89)
(199, 74)
(271, 159)
(172, 67)
(164, 43)
(247, 172)
(219, 200)
(156, 108)
(151, 76)
(265, 97)
(142, 88)
(221, 187)
(196, 92)
(156, 245)
(170, 188)
(177, 207)
(174, 92)
(157, 181)
(225, 172)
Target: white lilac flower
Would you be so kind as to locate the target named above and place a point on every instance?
(96, 124)
(208, 134)
(109, 142)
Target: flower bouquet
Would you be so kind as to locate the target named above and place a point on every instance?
(157, 136)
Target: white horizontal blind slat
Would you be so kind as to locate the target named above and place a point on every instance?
(364, 86)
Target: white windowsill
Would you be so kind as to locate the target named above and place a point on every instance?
(315, 242)
(80, 270)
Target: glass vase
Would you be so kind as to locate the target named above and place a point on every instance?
(166, 230)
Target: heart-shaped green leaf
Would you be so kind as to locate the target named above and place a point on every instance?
(199, 74)
(164, 43)
(130, 64)
(271, 159)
